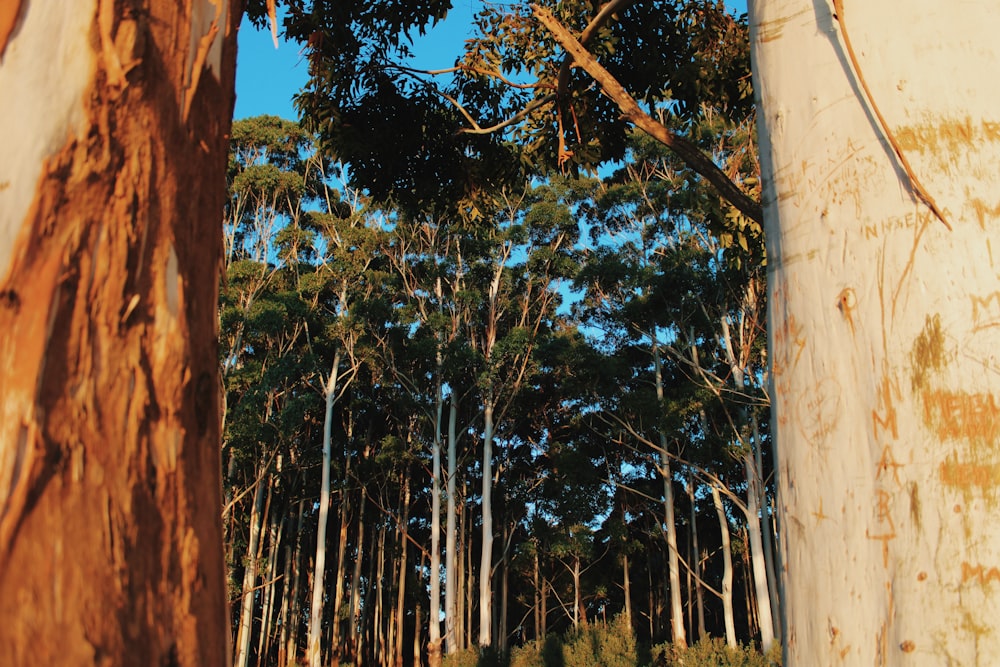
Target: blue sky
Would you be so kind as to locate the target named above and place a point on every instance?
(267, 78)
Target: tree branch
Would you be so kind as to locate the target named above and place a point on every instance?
(631, 112)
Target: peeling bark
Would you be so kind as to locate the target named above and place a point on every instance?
(109, 431)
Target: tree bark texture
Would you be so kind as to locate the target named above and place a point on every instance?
(115, 120)
(883, 324)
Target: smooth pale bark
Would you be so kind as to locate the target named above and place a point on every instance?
(250, 577)
(695, 568)
(762, 595)
(404, 529)
(749, 440)
(678, 634)
(290, 620)
(486, 553)
(627, 588)
(270, 577)
(433, 621)
(451, 560)
(727, 569)
(313, 653)
(883, 326)
(341, 574)
(355, 616)
(114, 120)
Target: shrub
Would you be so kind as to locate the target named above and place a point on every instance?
(713, 652)
(606, 644)
(482, 657)
(461, 659)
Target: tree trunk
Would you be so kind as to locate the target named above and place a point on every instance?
(270, 578)
(338, 594)
(486, 555)
(536, 579)
(404, 531)
(314, 654)
(115, 129)
(695, 569)
(883, 323)
(762, 593)
(250, 577)
(678, 634)
(627, 588)
(727, 569)
(451, 560)
(434, 618)
(290, 605)
(355, 617)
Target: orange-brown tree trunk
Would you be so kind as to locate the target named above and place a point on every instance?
(115, 118)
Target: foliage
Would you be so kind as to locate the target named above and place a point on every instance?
(713, 652)
(606, 644)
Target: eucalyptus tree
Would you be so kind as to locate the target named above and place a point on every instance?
(115, 117)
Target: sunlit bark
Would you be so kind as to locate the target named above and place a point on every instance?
(114, 119)
(883, 320)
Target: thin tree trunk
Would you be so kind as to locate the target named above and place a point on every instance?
(755, 496)
(452, 618)
(727, 569)
(355, 620)
(699, 594)
(288, 649)
(486, 556)
(762, 594)
(418, 623)
(578, 611)
(270, 577)
(380, 594)
(401, 592)
(767, 536)
(536, 580)
(502, 629)
(434, 624)
(338, 596)
(250, 577)
(314, 653)
(545, 609)
(678, 633)
(627, 588)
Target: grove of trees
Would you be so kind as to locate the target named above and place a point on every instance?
(592, 334)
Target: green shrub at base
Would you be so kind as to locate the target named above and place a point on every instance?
(713, 652)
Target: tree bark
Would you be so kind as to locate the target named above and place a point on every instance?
(883, 325)
(678, 634)
(486, 554)
(451, 579)
(434, 617)
(290, 605)
(727, 570)
(314, 654)
(250, 576)
(115, 120)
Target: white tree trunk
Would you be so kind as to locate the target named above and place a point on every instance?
(486, 555)
(883, 326)
(434, 616)
(761, 591)
(250, 578)
(451, 616)
(727, 569)
(314, 653)
(678, 633)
